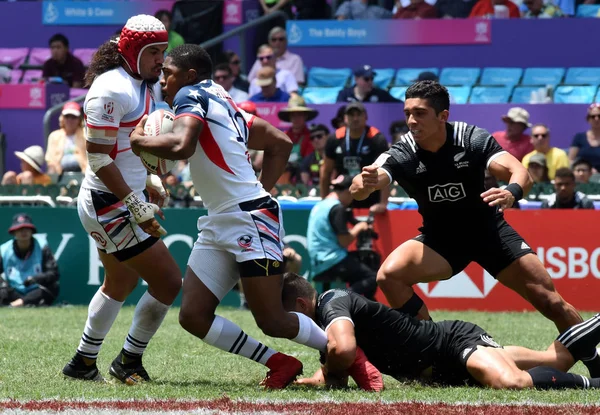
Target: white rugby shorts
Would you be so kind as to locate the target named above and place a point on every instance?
(250, 236)
(108, 221)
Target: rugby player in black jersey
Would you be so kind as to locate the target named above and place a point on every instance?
(442, 166)
(447, 352)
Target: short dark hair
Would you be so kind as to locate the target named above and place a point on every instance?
(564, 173)
(59, 37)
(435, 93)
(319, 127)
(399, 127)
(295, 286)
(189, 56)
(223, 67)
(162, 13)
(582, 161)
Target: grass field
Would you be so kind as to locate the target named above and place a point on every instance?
(36, 343)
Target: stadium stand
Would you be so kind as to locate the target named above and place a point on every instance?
(490, 94)
(460, 76)
(407, 76)
(501, 76)
(326, 77)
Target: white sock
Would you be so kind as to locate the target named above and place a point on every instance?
(102, 313)
(147, 318)
(309, 334)
(229, 337)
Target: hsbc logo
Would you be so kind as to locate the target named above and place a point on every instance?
(449, 192)
(460, 285)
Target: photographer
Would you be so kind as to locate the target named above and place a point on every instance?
(328, 240)
(30, 270)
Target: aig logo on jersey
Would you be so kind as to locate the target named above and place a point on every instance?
(449, 192)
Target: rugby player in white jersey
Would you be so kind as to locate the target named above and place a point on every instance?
(112, 208)
(242, 235)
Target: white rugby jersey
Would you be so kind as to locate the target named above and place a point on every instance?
(117, 102)
(220, 168)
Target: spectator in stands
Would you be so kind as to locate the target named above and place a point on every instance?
(62, 63)
(329, 238)
(32, 160)
(587, 145)
(298, 9)
(361, 10)
(298, 114)
(427, 76)
(555, 157)
(338, 120)
(513, 139)
(351, 148)
(284, 59)
(487, 9)
(224, 77)
(175, 39)
(538, 168)
(28, 266)
(454, 9)
(565, 196)
(311, 164)
(397, 130)
(66, 146)
(285, 79)
(417, 9)
(269, 91)
(538, 9)
(582, 170)
(235, 64)
(363, 89)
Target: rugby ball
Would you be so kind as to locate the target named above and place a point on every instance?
(158, 122)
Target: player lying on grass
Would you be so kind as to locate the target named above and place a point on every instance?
(446, 352)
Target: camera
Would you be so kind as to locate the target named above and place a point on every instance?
(365, 249)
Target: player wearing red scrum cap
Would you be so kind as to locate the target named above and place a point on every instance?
(111, 204)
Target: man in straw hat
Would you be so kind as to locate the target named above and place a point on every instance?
(513, 139)
(32, 159)
(298, 114)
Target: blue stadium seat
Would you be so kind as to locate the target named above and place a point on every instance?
(501, 76)
(566, 94)
(326, 77)
(459, 94)
(407, 76)
(383, 77)
(318, 95)
(398, 92)
(583, 76)
(523, 94)
(543, 76)
(490, 94)
(459, 76)
(588, 10)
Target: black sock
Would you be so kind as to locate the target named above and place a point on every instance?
(128, 357)
(412, 306)
(545, 377)
(581, 340)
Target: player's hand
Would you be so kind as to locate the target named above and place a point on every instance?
(157, 192)
(498, 197)
(370, 176)
(362, 226)
(143, 213)
(378, 208)
(136, 135)
(318, 379)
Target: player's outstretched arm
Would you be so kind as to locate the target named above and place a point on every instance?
(371, 178)
(507, 168)
(341, 347)
(180, 144)
(277, 147)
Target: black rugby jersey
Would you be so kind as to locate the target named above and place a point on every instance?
(395, 343)
(447, 184)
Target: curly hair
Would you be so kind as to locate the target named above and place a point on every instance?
(107, 57)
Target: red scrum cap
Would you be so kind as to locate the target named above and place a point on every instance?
(140, 32)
